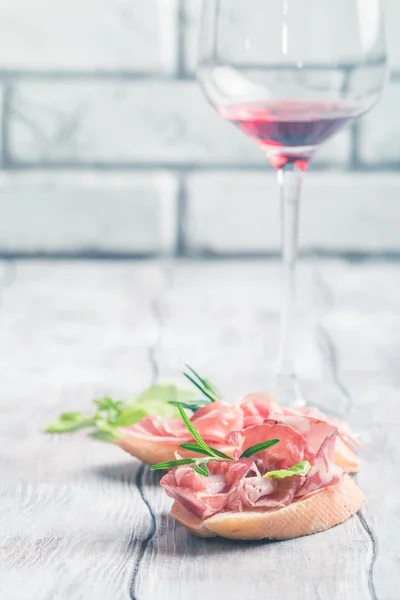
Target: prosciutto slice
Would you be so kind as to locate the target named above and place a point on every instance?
(213, 422)
(324, 472)
(342, 426)
(261, 406)
(235, 486)
(258, 407)
(301, 438)
(288, 452)
(314, 431)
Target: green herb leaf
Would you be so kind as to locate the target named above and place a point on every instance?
(199, 387)
(105, 427)
(130, 415)
(214, 452)
(259, 448)
(191, 404)
(102, 436)
(108, 409)
(164, 392)
(220, 454)
(207, 385)
(196, 448)
(201, 468)
(69, 421)
(161, 400)
(192, 430)
(301, 468)
(171, 464)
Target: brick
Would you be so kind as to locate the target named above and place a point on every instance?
(87, 212)
(128, 122)
(88, 35)
(392, 29)
(380, 130)
(192, 15)
(239, 213)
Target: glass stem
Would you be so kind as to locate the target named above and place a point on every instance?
(290, 181)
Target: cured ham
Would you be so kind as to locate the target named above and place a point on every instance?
(252, 498)
(288, 452)
(260, 406)
(324, 472)
(301, 438)
(154, 439)
(234, 486)
(257, 407)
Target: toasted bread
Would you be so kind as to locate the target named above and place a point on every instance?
(313, 513)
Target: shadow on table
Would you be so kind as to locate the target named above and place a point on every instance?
(127, 472)
(173, 539)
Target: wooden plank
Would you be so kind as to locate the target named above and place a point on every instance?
(74, 524)
(72, 519)
(363, 322)
(223, 319)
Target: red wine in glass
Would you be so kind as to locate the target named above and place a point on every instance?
(289, 131)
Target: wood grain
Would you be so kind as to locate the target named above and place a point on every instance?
(72, 519)
(80, 520)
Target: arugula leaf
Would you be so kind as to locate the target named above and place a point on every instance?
(106, 427)
(108, 409)
(165, 392)
(130, 415)
(103, 436)
(172, 463)
(161, 400)
(69, 421)
(154, 401)
(258, 448)
(301, 468)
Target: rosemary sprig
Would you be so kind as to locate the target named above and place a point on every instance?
(172, 463)
(201, 447)
(191, 404)
(199, 450)
(203, 385)
(258, 448)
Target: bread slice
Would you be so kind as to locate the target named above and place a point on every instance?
(316, 512)
(346, 457)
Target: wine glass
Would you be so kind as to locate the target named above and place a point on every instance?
(290, 74)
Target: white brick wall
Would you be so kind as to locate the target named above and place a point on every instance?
(380, 130)
(88, 35)
(107, 142)
(88, 212)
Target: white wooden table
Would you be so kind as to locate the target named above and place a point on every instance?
(80, 520)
